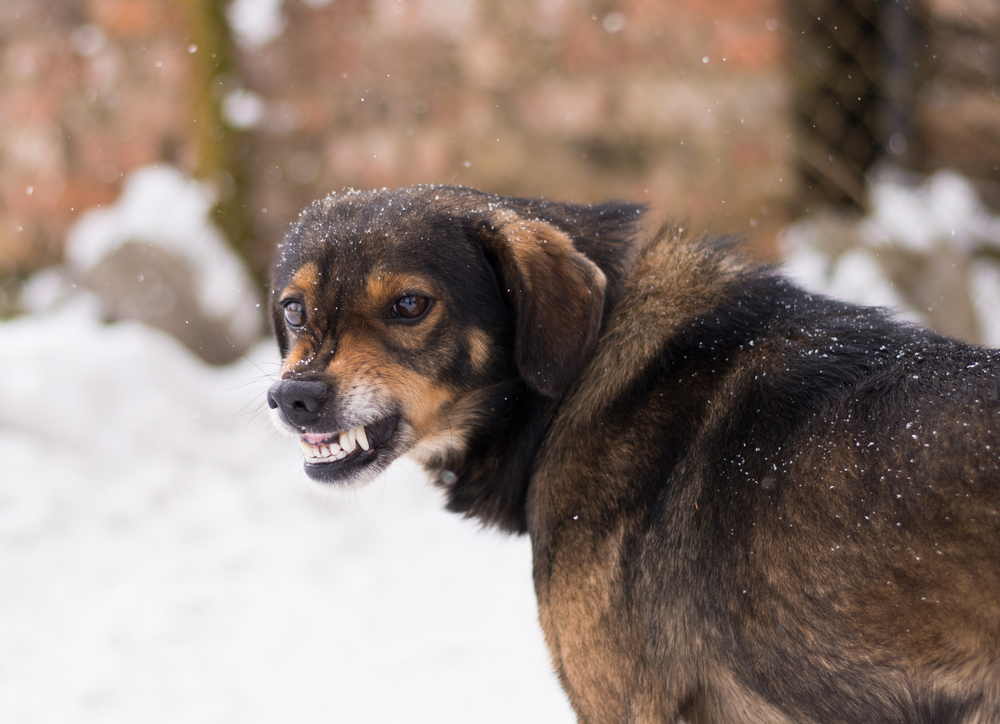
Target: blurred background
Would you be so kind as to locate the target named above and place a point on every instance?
(152, 152)
(735, 115)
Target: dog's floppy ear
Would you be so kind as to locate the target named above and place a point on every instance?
(557, 295)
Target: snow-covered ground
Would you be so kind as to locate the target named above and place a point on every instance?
(164, 559)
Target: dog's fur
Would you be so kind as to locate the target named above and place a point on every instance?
(746, 503)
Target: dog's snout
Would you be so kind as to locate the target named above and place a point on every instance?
(301, 402)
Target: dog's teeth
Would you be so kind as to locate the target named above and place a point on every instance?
(330, 451)
(349, 442)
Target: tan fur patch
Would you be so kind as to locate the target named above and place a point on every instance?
(297, 355)
(361, 367)
(304, 352)
(725, 700)
(358, 360)
(382, 289)
(600, 673)
(424, 402)
(480, 349)
(306, 279)
(529, 239)
(454, 426)
(667, 301)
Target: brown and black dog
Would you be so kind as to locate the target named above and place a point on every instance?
(746, 503)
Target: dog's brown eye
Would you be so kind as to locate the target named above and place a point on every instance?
(410, 307)
(295, 314)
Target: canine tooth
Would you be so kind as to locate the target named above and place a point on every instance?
(361, 437)
(347, 442)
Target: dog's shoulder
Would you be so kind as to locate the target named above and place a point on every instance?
(711, 361)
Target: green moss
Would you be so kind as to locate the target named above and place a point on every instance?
(220, 149)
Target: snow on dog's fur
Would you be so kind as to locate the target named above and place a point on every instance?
(746, 503)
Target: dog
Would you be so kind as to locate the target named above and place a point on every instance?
(747, 503)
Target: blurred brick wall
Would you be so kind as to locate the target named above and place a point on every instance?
(89, 90)
(679, 103)
(958, 108)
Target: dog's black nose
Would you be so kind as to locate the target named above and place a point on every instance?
(301, 402)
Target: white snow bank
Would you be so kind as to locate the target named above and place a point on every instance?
(256, 23)
(915, 225)
(162, 558)
(852, 274)
(944, 208)
(161, 206)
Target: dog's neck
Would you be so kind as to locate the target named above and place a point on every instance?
(488, 476)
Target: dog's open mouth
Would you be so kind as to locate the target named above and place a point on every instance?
(330, 451)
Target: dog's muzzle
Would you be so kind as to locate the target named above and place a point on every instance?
(334, 449)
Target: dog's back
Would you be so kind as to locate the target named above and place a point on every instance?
(806, 523)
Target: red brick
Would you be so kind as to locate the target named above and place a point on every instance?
(545, 78)
(728, 10)
(130, 18)
(564, 109)
(748, 47)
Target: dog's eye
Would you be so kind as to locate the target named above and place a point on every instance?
(295, 314)
(410, 307)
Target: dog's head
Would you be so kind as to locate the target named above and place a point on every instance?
(401, 314)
